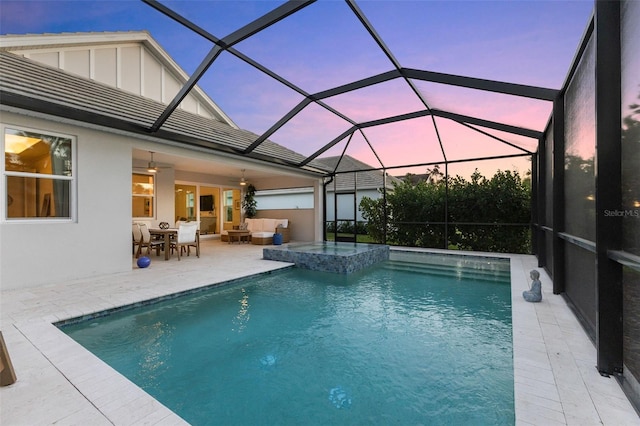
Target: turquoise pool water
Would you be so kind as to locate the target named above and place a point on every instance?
(404, 342)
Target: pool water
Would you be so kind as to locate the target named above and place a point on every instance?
(393, 344)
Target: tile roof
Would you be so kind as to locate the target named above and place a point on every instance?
(36, 43)
(33, 86)
(367, 178)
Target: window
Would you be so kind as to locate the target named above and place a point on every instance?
(185, 202)
(143, 192)
(286, 198)
(228, 205)
(38, 175)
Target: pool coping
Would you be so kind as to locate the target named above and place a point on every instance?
(555, 379)
(154, 300)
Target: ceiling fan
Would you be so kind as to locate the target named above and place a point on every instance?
(152, 166)
(242, 182)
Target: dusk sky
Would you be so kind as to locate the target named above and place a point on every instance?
(324, 45)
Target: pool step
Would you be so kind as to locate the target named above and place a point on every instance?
(448, 270)
(423, 266)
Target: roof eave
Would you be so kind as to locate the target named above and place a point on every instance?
(29, 104)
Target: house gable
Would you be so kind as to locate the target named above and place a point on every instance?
(131, 61)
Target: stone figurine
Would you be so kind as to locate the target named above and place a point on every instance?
(534, 294)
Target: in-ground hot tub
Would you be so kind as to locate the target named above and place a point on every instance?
(337, 257)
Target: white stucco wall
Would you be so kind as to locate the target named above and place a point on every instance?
(38, 253)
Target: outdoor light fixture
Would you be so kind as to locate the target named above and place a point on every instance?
(243, 182)
(151, 167)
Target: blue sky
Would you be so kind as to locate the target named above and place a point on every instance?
(324, 45)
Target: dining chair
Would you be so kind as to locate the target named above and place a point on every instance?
(187, 237)
(147, 241)
(147, 223)
(136, 237)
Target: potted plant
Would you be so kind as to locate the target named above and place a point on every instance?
(249, 203)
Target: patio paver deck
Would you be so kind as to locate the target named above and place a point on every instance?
(59, 382)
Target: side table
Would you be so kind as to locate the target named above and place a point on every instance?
(238, 235)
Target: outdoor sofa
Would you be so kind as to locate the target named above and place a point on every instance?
(263, 229)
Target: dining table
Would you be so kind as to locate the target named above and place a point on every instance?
(167, 234)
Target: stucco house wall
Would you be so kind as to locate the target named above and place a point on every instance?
(99, 240)
(302, 222)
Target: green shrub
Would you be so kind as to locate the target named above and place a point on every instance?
(416, 212)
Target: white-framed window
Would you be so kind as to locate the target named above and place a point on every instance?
(38, 175)
(143, 190)
(287, 198)
(227, 199)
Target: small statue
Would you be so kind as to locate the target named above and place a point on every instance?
(534, 294)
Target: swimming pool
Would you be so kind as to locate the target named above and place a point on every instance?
(397, 343)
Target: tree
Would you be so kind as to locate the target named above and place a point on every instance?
(409, 204)
(249, 203)
(495, 203)
(373, 213)
(416, 213)
(434, 175)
